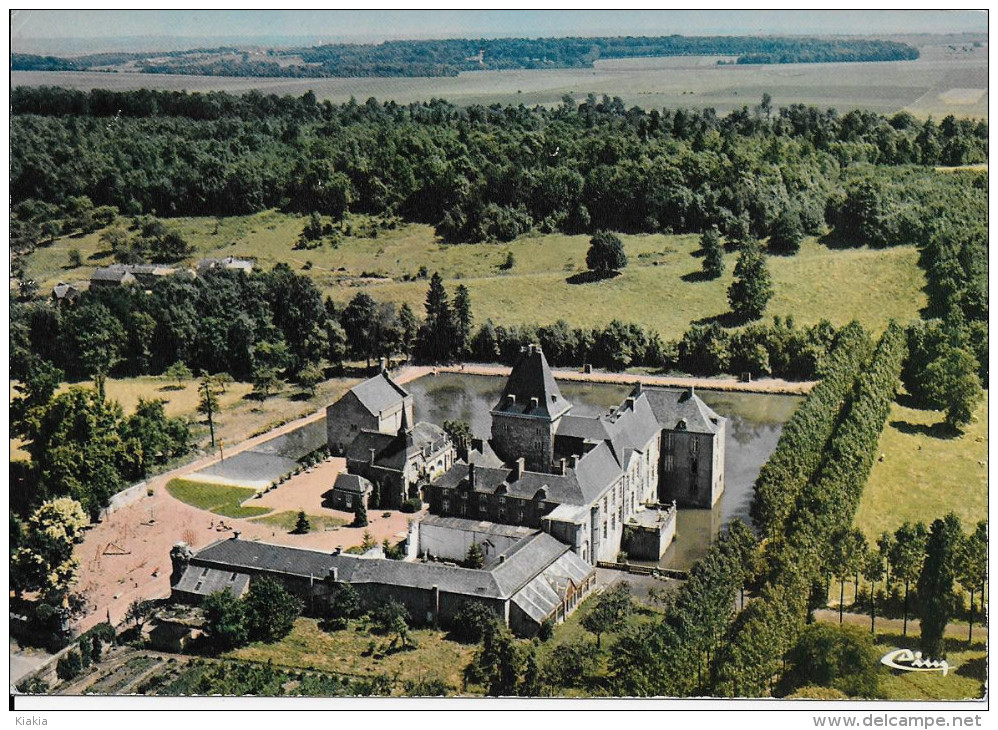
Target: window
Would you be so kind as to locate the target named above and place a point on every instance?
(668, 462)
(694, 444)
(620, 511)
(613, 522)
(445, 505)
(604, 528)
(349, 500)
(668, 442)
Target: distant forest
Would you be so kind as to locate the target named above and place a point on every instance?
(449, 57)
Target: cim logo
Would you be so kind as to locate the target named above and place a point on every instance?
(909, 661)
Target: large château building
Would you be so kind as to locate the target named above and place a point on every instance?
(592, 482)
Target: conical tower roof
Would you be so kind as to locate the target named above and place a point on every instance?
(531, 389)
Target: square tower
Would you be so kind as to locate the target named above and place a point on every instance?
(525, 419)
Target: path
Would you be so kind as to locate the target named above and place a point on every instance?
(764, 385)
(896, 625)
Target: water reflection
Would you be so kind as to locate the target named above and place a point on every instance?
(755, 422)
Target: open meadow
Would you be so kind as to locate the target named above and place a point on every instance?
(660, 288)
(948, 78)
(926, 472)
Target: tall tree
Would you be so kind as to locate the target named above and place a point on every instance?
(713, 253)
(359, 320)
(935, 583)
(786, 233)
(973, 567)
(463, 321)
(873, 571)
(610, 611)
(270, 610)
(906, 559)
(752, 288)
(44, 559)
(436, 336)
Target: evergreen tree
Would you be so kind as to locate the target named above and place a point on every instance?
(409, 325)
(462, 320)
(752, 288)
(302, 525)
(475, 557)
(436, 336)
(935, 584)
(359, 514)
(713, 253)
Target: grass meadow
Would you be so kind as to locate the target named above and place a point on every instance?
(659, 288)
(926, 472)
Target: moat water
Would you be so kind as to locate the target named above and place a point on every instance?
(755, 422)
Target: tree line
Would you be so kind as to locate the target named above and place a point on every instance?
(450, 57)
(477, 173)
(761, 636)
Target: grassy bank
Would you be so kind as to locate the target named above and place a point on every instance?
(221, 499)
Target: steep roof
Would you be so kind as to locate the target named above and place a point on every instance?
(582, 485)
(379, 393)
(673, 406)
(352, 483)
(531, 378)
(392, 451)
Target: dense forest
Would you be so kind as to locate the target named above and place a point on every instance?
(450, 57)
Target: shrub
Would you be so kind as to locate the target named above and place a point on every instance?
(412, 505)
(70, 665)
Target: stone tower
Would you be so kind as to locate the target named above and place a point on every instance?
(526, 417)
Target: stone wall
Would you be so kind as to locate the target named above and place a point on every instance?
(688, 475)
(346, 418)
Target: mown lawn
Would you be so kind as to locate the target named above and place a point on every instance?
(221, 499)
(348, 652)
(289, 519)
(926, 472)
(659, 288)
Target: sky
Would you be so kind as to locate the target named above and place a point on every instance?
(376, 25)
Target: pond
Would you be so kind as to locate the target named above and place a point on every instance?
(755, 422)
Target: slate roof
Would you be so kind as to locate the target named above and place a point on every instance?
(392, 451)
(62, 290)
(594, 472)
(379, 393)
(202, 581)
(531, 378)
(672, 406)
(480, 526)
(115, 273)
(525, 561)
(352, 483)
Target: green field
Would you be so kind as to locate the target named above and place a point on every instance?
(925, 473)
(221, 499)
(942, 81)
(289, 519)
(343, 652)
(838, 284)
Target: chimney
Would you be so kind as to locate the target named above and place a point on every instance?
(502, 559)
(573, 461)
(533, 403)
(629, 403)
(334, 574)
(383, 365)
(532, 348)
(371, 462)
(560, 468)
(235, 534)
(637, 389)
(471, 476)
(338, 550)
(512, 398)
(478, 445)
(518, 468)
